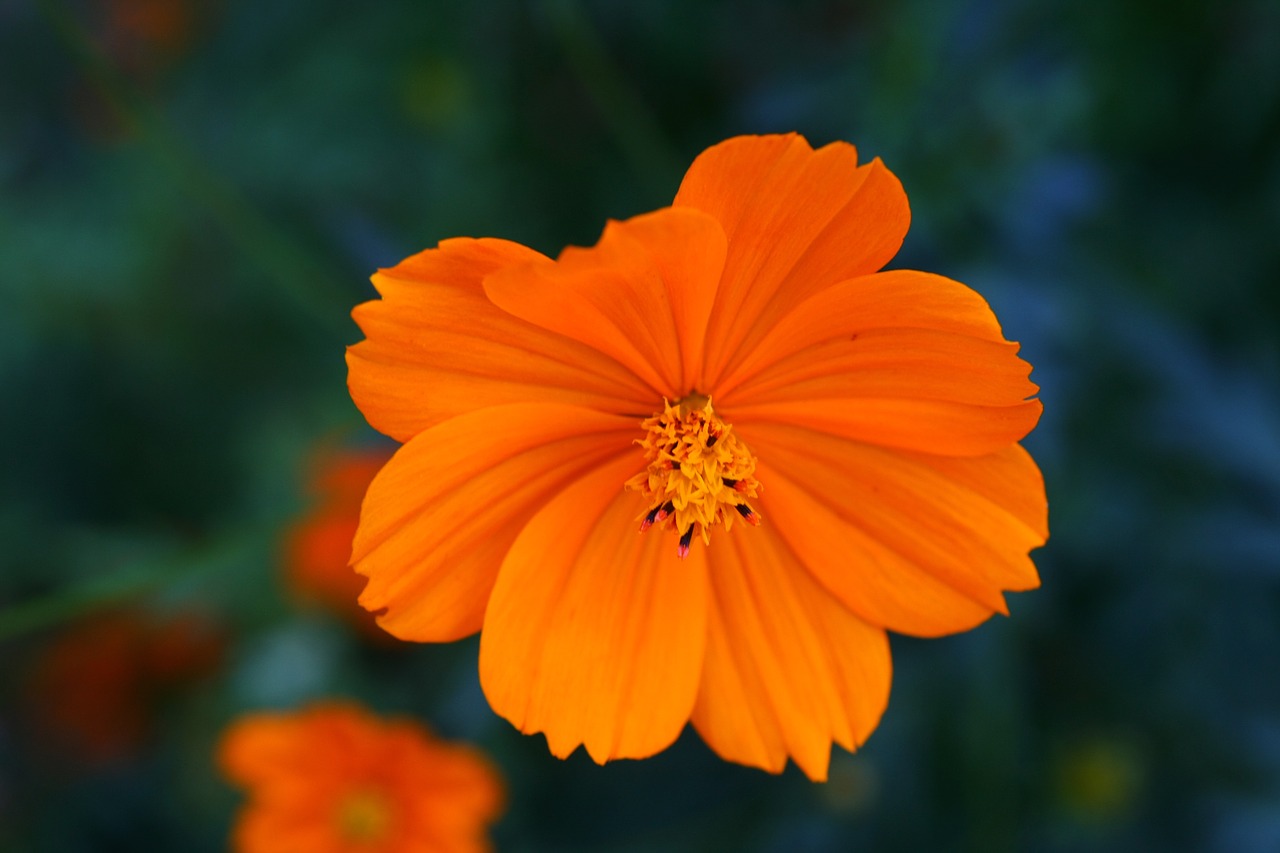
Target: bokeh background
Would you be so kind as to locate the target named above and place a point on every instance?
(193, 195)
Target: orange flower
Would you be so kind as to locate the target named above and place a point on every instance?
(143, 35)
(735, 357)
(318, 547)
(335, 778)
(92, 691)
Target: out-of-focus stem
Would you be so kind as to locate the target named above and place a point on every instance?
(307, 283)
(628, 117)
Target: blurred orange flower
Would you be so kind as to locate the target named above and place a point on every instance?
(93, 690)
(317, 559)
(143, 35)
(336, 778)
(142, 39)
(736, 357)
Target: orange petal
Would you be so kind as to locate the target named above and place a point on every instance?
(466, 787)
(268, 828)
(797, 221)
(306, 766)
(914, 543)
(894, 364)
(900, 359)
(936, 382)
(441, 515)
(687, 249)
(456, 790)
(595, 632)
(259, 747)
(789, 669)
(437, 347)
(897, 300)
(290, 752)
(1008, 478)
(640, 295)
(929, 426)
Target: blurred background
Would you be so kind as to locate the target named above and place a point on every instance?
(193, 195)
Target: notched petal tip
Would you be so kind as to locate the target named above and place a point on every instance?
(790, 671)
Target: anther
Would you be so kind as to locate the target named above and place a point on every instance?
(682, 550)
(650, 519)
(747, 513)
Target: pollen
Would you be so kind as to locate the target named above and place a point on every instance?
(699, 473)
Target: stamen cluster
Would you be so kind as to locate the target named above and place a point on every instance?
(699, 472)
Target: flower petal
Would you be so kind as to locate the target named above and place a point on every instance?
(797, 221)
(437, 347)
(259, 748)
(595, 632)
(1009, 478)
(900, 299)
(641, 295)
(900, 359)
(687, 248)
(894, 364)
(468, 787)
(272, 828)
(291, 782)
(441, 515)
(458, 791)
(918, 544)
(929, 426)
(789, 669)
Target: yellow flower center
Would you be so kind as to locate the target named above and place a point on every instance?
(699, 472)
(363, 816)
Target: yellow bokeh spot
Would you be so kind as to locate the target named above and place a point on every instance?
(1100, 779)
(364, 816)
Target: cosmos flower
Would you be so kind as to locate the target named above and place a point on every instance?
(696, 471)
(336, 778)
(317, 546)
(143, 36)
(97, 691)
